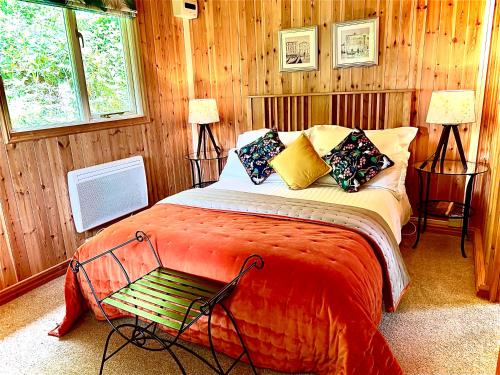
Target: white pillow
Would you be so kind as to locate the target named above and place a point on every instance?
(392, 179)
(392, 142)
(388, 141)
(250, 136)
(234, 169)
(326, 137)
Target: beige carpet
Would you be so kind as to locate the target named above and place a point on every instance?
(440, 327)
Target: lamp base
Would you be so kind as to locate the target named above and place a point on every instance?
(440, 154)
(202, 138)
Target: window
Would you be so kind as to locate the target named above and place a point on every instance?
(64, 67)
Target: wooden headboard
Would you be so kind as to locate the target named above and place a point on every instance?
(364, 109)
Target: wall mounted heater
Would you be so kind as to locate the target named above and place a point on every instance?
(107, 191)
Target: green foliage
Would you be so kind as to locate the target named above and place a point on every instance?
(37, 68)
(105, 68)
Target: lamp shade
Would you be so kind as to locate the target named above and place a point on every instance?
(203, 111)
(451, 107)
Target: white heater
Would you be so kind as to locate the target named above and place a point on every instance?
(107, 191)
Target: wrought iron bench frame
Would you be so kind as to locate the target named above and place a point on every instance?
(142, 334)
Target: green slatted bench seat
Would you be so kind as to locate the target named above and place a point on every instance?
(169, 298)
(164, 296)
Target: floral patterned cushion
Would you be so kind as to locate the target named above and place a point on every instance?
(355, 161)
(255, 156)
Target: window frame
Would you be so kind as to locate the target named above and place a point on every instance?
(133, 62)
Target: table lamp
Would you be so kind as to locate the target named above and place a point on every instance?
(450, 108)
(204, 112)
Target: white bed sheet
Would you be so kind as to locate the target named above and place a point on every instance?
(395, 212)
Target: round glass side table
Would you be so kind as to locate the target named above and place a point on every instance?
(456, 210)
(196, 160)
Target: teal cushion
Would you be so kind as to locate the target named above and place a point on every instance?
(355, 161)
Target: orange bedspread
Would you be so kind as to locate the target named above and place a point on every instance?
(314, 307)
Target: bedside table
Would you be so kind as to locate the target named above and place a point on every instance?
(442, 208)
(196, 161)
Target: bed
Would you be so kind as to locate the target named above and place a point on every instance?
(332, 263)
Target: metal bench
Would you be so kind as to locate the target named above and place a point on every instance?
(167, 297)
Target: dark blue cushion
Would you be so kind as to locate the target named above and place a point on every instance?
(255, 156)
(355, 161)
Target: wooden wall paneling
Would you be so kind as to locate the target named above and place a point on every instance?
(178, 85)
(11, 223)
(237, 55)
(417, 43)
(164, 111)
(7, 271)
(487, 197)
(36, 254)
(157, 78)
(480, 21)
(404, 40)
(266, 71)
(229, 99)
(152, 98)
(178, 88)
(259, 71)
(59, 157)
(47, 202)
(377, 80)
(393, 20)
(200, 55)
(248, 67)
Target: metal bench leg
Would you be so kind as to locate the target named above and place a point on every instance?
(210, 340)
(212, 348)
(136, 332)
(245, 350)
(179, 364)
(105, 351)
(140, 342)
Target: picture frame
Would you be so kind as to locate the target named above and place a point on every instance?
(298, 49)
(355, 43)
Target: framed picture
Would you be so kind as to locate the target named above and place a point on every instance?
(298, 49)
(355, 43)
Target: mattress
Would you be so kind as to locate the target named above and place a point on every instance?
(396, 212)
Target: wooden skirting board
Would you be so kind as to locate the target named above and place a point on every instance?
(482, 289)
(24, 286)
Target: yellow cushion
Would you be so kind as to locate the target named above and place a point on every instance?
(299, 165)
